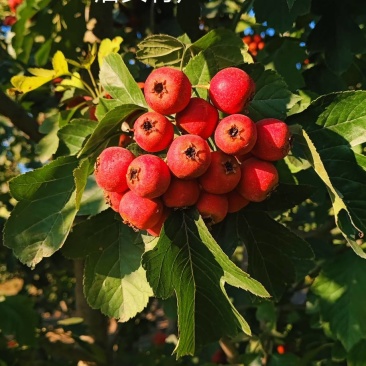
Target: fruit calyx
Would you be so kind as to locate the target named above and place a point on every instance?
(159, 88)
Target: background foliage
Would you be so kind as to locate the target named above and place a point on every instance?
(304, 245)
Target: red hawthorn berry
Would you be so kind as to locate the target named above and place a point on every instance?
(235, 134)
(188, 156)
(156, 229)
(198, 118)
(273, 139)
(258, 179)
(148, 176)
(153, 132)
(222, 175)
(167, 90)
(140, 212)
(181, 193)
(212, 207)
(111, 168)
(231, 89)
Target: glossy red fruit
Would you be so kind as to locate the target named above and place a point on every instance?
(148, 176)
(181, 193)
(198, 118)
(273, 139)
(111, 168)
(156, 229)
(236, 134)
(188, 156)
(113, 199)
(231, 90)
(258, 179)
(236, 201)
(223, 174)
(167, 90)
(140, 212)
(153, 132)
(212, 207)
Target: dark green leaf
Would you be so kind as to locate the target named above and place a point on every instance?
(161, 50)
(338, 36)
(288, 359)
(340, 287)
(282, 54)
(279, 14)
(333, 124)
(93, 200)
(93, 232)
(187, 261)
(357, 355)
(74, 134)
(41, 221)
(272, 248)
(272, 98)
(109, 126)
(284, 197)
(119, 83)
(19, 319)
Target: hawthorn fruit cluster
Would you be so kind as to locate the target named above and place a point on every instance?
(191, 157)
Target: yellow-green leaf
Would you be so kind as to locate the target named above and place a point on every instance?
(42, 72)
(25, 84)
(108, 46)
(59, 64)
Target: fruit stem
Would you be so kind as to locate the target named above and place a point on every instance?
(93, 80)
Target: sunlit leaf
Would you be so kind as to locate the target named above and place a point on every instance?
(108, 46)
(42, 219)
(188, 262)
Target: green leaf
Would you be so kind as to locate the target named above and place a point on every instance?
(74, 134)
(340, 287)
(187, 261)
(338, 36)
(109, 126)
(333, 124)
(105, 105)
(160, 50)
(91, 231)
(114, 280)
(272, 98)
(81, 174)
(284, 197)
(279, 14)
(272, 249)
(49, 143)
(93, 200)
(224, 47)
(282, 54)
(41, 221)
(342, 113)
(357, 355)
(19, 319)
(118, 81)
(200, 70)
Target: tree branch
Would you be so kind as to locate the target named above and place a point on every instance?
(19, 117)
